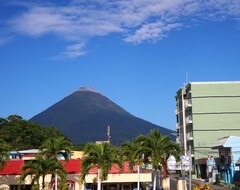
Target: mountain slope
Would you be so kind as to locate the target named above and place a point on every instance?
(84, 116)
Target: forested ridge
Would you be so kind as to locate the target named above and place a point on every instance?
(21, 134)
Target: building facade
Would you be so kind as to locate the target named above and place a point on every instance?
(118, 179)
(205, 112)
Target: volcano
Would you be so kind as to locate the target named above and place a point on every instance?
(85, 115)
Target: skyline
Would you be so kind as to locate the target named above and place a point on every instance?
(137, 53)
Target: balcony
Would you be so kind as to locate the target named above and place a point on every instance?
(176, 111)
(192, 153)
(178, 140)
(188, 120)
(177, 125)
(188, 103)
(190, 136)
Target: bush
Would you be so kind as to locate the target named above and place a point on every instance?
(237, 184)
(203, 187)
(217, 182)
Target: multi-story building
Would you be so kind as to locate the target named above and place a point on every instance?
(205, 112)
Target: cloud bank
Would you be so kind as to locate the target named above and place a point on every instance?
(136, 21)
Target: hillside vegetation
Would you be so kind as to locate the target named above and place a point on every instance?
(21, 134)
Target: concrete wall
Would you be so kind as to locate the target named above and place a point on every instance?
(215, 114)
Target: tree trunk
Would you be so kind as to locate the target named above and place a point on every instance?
(43, 182)
(165, 171)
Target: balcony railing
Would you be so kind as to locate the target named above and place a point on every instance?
(177, 125)
(179, 140)
(190, 136)
(188, 103)
(176, 111)
(192, 153)
(188, 119)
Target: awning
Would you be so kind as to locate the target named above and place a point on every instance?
(220, 143)
(227, 142)
(238, 162)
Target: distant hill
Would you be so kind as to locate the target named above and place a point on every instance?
(85, 115)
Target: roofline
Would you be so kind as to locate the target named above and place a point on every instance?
(214, 82)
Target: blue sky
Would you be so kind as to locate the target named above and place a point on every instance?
(137, 53)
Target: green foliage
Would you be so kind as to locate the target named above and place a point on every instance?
(78, 147)
(52, 147)
(47, 161)
(158, 147)
(237, 184)
(217, 182)
(132, 153)
(22, 134)
(4, 153)
(102, 156)
(40, 167)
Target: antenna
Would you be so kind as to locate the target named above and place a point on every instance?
(108, 133)
(185, 84)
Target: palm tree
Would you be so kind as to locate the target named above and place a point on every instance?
(158, 147)
(4, 153)
(39, 168)
(132, 153)
(102, 156)
(53, 147)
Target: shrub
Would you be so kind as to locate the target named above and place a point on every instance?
(203, 187)
(237, 184)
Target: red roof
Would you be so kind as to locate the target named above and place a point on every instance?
(72, 166)
(115, 169)
(13, 167)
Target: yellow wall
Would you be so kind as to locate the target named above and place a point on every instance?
(112, 178)
(76, 154)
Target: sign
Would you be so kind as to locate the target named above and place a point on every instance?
(183, 164)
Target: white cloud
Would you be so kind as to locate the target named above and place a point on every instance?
(135, 20)
(72, 51)
(151, 32)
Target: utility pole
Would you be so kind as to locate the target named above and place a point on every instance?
(108, 133)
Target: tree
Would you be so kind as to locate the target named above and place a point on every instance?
(22, 134)
(54, 146)
(4, 153)
(13, 118)
(39, 168)
(102, 156)
(158, 148)
(133, 154)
